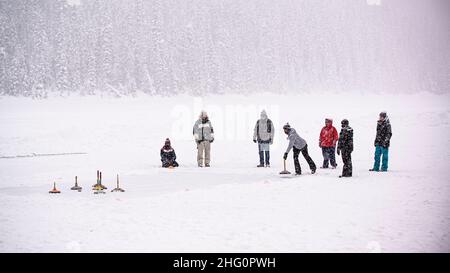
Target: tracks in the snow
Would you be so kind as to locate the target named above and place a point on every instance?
(38, 155)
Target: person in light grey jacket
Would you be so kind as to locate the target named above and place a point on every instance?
(204, 135)
(299, 145)
(263, 135)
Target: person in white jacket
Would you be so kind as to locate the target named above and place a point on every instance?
(204, 135)
(263, 135)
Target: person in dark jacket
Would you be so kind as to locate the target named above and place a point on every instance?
(168, 156)
(263, 135)
(345, 146)
(382, 143)
(327, 141)
(298, 144)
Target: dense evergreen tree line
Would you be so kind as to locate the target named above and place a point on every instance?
(216, 46)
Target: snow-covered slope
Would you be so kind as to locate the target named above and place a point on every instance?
(232, 206)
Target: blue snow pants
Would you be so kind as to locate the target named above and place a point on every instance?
(380, 151)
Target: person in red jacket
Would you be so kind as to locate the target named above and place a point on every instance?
(328, 138)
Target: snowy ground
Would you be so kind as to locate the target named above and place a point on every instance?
(232, 206)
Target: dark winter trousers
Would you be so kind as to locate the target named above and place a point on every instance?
(261, 157)
(298, 169)
(169, 163)
(347, 170)
(328, 156)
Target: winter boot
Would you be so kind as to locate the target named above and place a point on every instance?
(260, 165)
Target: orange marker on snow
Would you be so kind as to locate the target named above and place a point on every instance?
(54, 190)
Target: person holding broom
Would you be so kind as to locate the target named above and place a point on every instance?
(298, 144)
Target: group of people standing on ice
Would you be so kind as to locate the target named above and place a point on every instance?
(330, 141)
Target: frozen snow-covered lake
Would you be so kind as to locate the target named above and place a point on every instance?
(232, 206)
